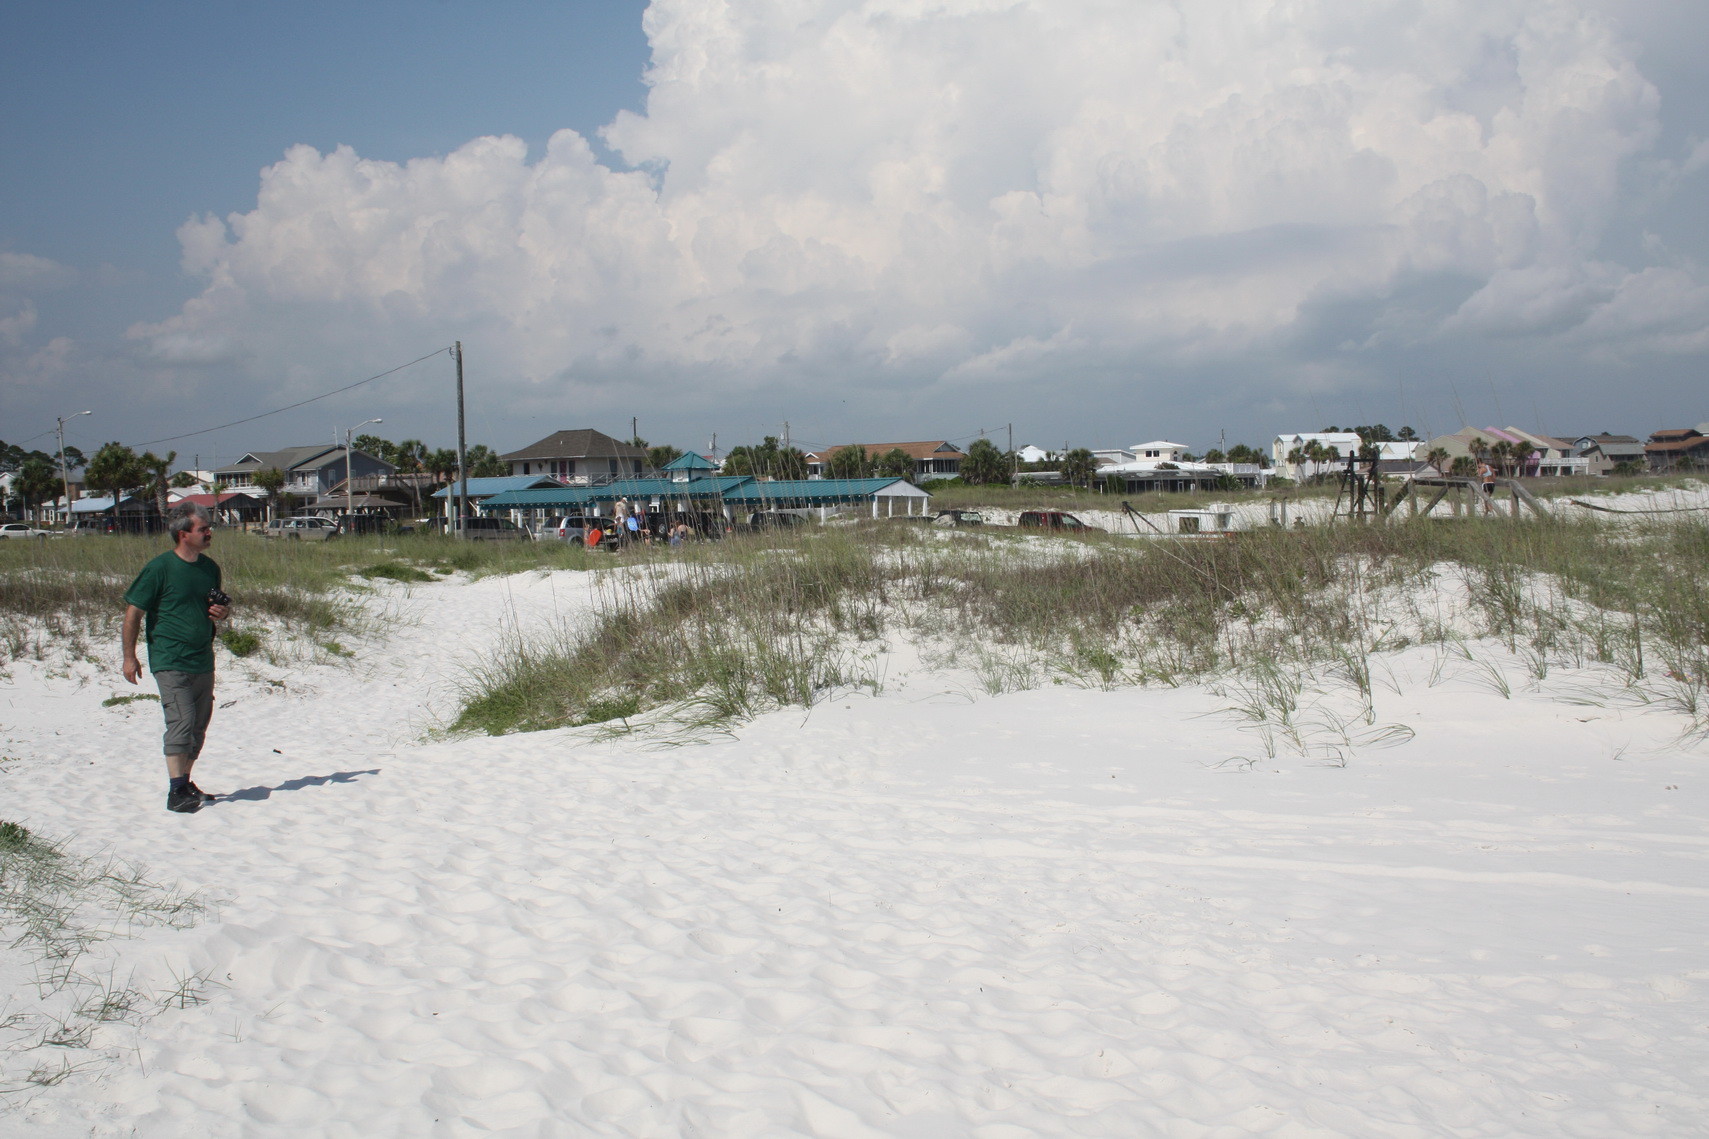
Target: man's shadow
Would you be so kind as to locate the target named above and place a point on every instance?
(257, 794)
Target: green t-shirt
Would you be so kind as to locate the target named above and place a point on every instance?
(174, 595)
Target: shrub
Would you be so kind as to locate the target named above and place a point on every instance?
(395, 571)
(239, 643)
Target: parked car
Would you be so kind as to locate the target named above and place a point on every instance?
(568, 528)
(310, 527)
(1053, 520)
(483, 529)
(21, 530)
(774, 520)
(958, 518)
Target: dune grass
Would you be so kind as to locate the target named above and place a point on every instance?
(744, 626)
(70, 590)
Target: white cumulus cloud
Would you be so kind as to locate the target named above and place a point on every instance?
(934, 195)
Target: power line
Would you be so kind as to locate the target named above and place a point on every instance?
(293, 406)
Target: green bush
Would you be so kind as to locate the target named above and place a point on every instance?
(240, 643)
(395, 571)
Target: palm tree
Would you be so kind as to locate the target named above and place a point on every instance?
(1520, 453)
(155, 469)
(410, 457)
(847, 463)
(1437, 457)
(115, 468)
(1078, 467)
(272, 481)
(984, 463)
(895, 463)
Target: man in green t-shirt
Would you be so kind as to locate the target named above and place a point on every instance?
(176, 594)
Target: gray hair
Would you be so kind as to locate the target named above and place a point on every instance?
(181, 516)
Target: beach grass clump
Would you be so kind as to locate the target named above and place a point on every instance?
(56, 910)
(132, 698)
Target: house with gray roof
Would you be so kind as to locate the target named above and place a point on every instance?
(1605, 452)
(583, 457)
(310, 471)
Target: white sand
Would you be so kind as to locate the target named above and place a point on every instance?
(928, 914)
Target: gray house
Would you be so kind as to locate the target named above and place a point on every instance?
(309, 471)
(583, 457)
(1605, 451)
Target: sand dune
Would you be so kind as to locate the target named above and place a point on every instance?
(929, 913)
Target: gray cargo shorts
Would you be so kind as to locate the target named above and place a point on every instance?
(187, 698)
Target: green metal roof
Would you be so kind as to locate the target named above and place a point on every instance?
(690, 461)
(737, 490)
(623, 488)
(813, 492)
(479, 488)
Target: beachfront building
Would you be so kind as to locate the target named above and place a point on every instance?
(1282, 450)
(310, 471)
(1551, 456)
(478, 491)
(733, 496)
(1113, 456)
(582, 457)
(933, 458)
(1679, 449)
(1603, 452)
(1159, 474)
(687, 466)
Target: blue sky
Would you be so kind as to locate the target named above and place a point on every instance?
(873, 219)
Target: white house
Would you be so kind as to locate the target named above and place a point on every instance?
(1031, 454)
(1159, 450)
(1344, 442)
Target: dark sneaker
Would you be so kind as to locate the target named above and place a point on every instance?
(206, 798)
(186, 800)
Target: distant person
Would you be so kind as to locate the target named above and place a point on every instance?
(1486, 476)
(679, 533)
(632, 526)
(178, 595)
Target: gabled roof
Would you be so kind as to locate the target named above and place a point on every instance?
(285, 459)
(582, 443)
(923, 449)
(690, 461)
(213, 500)
(484, 488)
(1677, 443)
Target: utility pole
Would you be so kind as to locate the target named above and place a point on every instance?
(64, 478)
(462, 496)
(634, 428)
(1014, 461)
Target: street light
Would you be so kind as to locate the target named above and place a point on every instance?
(349, 499)
(65, 479)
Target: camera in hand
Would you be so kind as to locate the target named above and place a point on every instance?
(218, 597)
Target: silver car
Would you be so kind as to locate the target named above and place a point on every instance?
(312, 528)
(21, 530)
